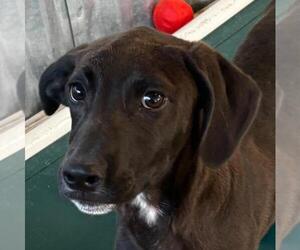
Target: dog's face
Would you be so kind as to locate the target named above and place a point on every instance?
(137, 100)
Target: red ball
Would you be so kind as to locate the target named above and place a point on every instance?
(170, 15)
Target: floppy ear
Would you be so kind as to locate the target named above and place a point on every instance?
(229, 107)
(54, 78)
(52, 84)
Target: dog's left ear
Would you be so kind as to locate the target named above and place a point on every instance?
(230, 100)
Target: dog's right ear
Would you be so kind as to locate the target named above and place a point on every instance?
(54, 78)
(52, 83)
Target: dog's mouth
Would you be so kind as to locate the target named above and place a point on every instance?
(93, 203)
(93, 208)
(90, 203)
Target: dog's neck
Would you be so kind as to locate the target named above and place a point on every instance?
(165, 197)
(179, 203)
(147, 210)
(161, 199)
(181, 191)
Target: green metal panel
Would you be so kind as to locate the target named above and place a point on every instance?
(12, 202)
(245, 20)
(52, 222)
(291, 242)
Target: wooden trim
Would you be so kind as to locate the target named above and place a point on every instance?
(41, 131)
(12, 134)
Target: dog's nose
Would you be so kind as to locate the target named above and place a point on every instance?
(81, 178)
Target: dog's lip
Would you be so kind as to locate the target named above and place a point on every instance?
(92, 203)
(88, 197)
(89, 203)
(93, 208)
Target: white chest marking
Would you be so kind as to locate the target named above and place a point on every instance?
(146, 211)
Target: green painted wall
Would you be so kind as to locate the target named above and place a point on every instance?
(12, 202)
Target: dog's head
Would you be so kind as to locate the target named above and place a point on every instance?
(137, 100)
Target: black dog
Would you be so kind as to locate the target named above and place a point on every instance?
(160, 132)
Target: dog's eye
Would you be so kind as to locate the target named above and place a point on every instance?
(77, 92)
(153, 100)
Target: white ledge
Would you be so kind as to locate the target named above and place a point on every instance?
(212, 18)
(42, 130)
(12, 131)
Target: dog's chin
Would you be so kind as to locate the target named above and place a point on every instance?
(93, 208)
